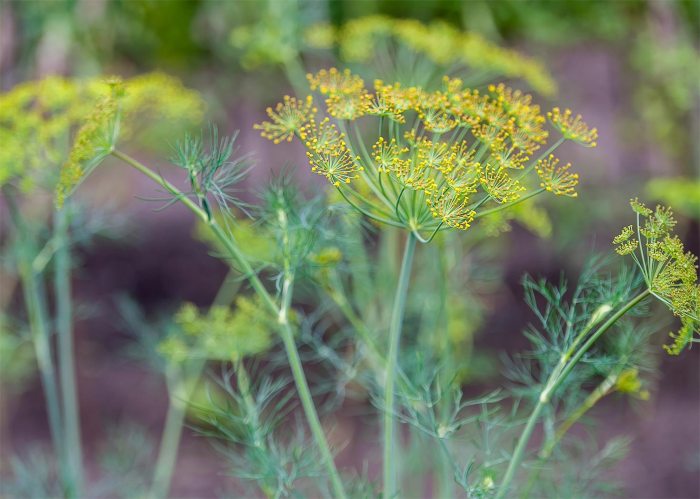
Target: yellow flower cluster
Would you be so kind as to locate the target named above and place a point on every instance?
(361, 40)
(669, 271)
(39, 118)
(287, 119)
(460, 142)
(555, 178)
(572, 127)
(221, 333)
(35, 119)
(328, 153)
(93, 142)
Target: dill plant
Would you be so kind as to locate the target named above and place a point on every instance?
(436, 158)
(37, 122)
(425, 163)
(421, 162)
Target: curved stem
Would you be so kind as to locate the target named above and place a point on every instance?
(367, 213)
(555, 379)
(284, 327)
(66, 359)
(508, 205)
(390, 456)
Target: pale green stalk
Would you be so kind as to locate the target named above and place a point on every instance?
(282, 313)
(34, 293)
(179, 394)
(600, 391)
(390, 455)
(66, 359)
(559, 374)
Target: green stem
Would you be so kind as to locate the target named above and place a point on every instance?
(35, 301)
(601, 391)
(294, 71)
(285, 330)
(555, 379)
(376, 358)
(446, 480)
(509, 205)
(390, 456)
(172, 432)
(587, 345)
(66, 359)
(34, 294)
(303, 388)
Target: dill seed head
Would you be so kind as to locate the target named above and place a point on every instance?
(669, 271)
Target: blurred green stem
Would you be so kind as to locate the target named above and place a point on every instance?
(397, 314)
(34, 293)
(282, 313)
(603, 389)
(568, 361)
(179, 395)
(66, 357)
(296, 76)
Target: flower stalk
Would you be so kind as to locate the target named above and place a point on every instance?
(34, 294)
(567, 363)
(397, 315)
(66, 357)
(282, 312)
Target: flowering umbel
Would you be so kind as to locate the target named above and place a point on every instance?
(670, 272)
(55, 130)
(434, 159)
(438, 44)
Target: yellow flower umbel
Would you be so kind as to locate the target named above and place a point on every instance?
(93, 142)
(431, 160)
(287, 119)
(670, 273)
(572, 127)
(40, 119)
(221, 333)
(436, 47)
(557, 179)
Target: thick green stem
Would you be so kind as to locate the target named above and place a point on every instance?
(66, 358)
(284, 327)
(390, 456)
(35, 302)
(557, 377)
